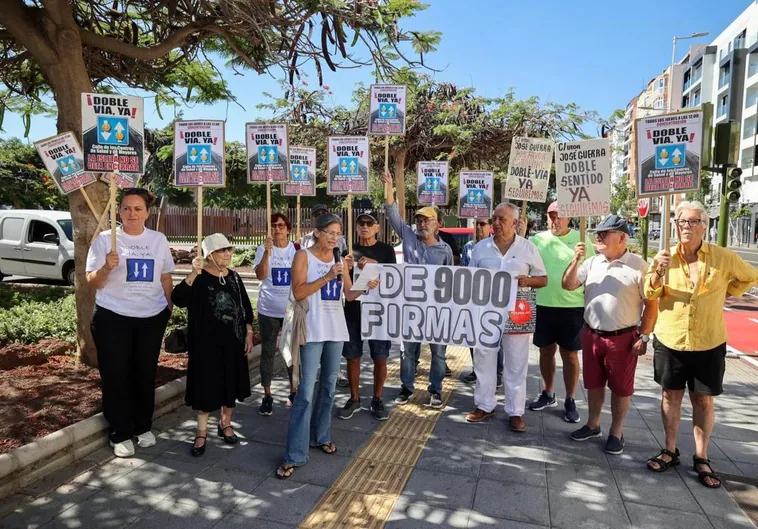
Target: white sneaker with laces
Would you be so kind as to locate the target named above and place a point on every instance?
(123, 449)
(146, 440)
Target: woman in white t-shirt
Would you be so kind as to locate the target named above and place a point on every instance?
(316, 278)
(273, 267)
(132, 307)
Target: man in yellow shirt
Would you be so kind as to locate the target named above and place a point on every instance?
(690, 334)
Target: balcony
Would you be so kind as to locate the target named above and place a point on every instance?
(752, 69)
(724, 80)
(722, 110)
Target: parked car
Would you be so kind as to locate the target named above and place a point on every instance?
(462, 236)
(37, 244)
(655, 234)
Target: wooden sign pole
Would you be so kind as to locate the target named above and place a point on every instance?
(582, 228)
(200, 220)
(350, 222)
(94, 211)
(268, 207)
(522, 231)
(297, 218)
(113, 209)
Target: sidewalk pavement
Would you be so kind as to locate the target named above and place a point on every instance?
(469, 475)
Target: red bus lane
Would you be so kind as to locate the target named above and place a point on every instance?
(741, 316)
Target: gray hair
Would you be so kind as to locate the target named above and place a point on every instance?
(693, 205)
(510, 205)
(327, 219)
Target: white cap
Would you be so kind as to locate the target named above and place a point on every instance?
(214, 242)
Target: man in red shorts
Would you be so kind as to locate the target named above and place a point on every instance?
(614, 306)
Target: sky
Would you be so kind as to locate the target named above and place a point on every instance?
(595, 53)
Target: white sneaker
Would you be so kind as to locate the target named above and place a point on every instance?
(123, 449)
(146, 440)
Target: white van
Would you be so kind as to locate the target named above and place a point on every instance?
(37, 243)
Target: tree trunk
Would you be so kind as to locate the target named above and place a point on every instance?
(400, 180)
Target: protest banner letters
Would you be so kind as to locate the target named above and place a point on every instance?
(529, 169)
(582, 173)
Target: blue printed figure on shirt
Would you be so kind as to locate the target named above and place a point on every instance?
(140, 270)
(281, 277)
(331, 291)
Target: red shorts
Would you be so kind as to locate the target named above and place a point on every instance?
(609, 359)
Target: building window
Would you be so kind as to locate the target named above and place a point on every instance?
(658, 103)
(696, 98)
(723, 106)
(660, 85)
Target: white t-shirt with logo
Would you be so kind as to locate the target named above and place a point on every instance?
(275, 289)
(134, 287)
(325, 319)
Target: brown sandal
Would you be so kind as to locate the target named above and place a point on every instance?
(329, 448)
(285, 471)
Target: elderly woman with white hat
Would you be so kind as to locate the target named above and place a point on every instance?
(220, 335)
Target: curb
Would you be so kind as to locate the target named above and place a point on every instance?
(33, 461)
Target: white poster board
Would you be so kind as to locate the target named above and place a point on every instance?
(387, 110)
(64, 160)
(113, 133)
(199, 157)
(529, 169)
(475, 189)
(347, 166)
(433, 183)
(583, 178)
(302, 172)
(267, 153)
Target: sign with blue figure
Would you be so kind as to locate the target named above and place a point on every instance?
(268, 155)
(199, 155)
(432, 184)
(348, 165)
(670, 156)
(331, 291)
(112, 130)
(299, 173)
(476, 196)
(281, 277)
(68, 164)
(388, 110)
(141, 270)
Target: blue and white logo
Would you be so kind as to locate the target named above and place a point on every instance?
(268, 154)
(140, 270)
(432, 184)
(199, 155)
(670, 156)
(348, 165)
(299, 173)
(112, 130)
(68, 164)
(331, 291)
(281, 277)
(475, 196)
(387, 110)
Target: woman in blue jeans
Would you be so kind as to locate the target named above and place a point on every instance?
(319, 279)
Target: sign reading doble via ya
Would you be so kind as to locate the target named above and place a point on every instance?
(64, 161)
(529, 169)
(113, 132)
(432, 183)
(439, 304)
(347, 165)
(199, 153)
(387, 110)
(267, 153)
(582, 174)
(302, 173)
(475, 194)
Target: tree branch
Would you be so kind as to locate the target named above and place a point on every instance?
(175, 40)
(18, 20)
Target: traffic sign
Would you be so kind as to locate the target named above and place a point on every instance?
(643, 207)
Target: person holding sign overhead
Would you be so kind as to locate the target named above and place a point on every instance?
(318, 278)
(421, 247)
(132, 307)
(510, 252)
(220, 336)
(273, 264)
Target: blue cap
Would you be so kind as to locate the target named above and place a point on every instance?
(612, 223)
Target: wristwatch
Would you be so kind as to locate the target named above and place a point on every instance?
(645, 338)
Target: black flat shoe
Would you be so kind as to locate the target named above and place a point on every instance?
(228, 439)
(197, 451)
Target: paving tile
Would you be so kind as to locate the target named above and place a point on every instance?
(714, 502)
(456, 427)
(409, 514)
(480, 521)
(215, 450)
(109, 472)
(257, 458)
(13, 502)
(517, 464)
(349, 443)
(648, 517)
(685, 442)
(582, 480)
(511, 501)
(322, 469)
(58, 478)
(173, 515)
(45, 508)
(107, 509)
(286, 502)
(216, 487)
(436, 489)
(737, 451)
(740, 521)
(159, 478)
(238, 521)
(651, 488)
(571, 511)
(452, 455)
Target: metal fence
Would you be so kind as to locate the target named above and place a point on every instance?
(247, 227)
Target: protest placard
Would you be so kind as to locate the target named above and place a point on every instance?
(267, 153)
(199, 157)
(529, 169)
(668, 153)
(433, 183)
(387, 110)
(302, 180)
(475, 194)
(439, 304)
(113, 132)
(347, 165)
(64, 160)
(522, 319)
(583, 180)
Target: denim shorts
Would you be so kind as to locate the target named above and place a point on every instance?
(380, 349)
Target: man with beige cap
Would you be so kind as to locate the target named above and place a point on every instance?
(419, 247)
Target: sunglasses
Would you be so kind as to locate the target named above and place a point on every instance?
(279, 226)
(482, 224)
(368, 223)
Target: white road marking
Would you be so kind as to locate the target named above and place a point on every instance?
(739, 354)
(753, 320)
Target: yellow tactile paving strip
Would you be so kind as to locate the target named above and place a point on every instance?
(365, 493)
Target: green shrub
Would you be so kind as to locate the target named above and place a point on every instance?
(31, 321)
(243, 257)
(10, 298)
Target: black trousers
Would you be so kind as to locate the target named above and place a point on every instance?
(127, 354)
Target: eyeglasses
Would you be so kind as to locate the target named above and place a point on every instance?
(279, 226)
(424, 220)
(692, 223)
(334, 234)
(603, 234)
(368, 223)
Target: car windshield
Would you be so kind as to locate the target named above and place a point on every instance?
(68, 228)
